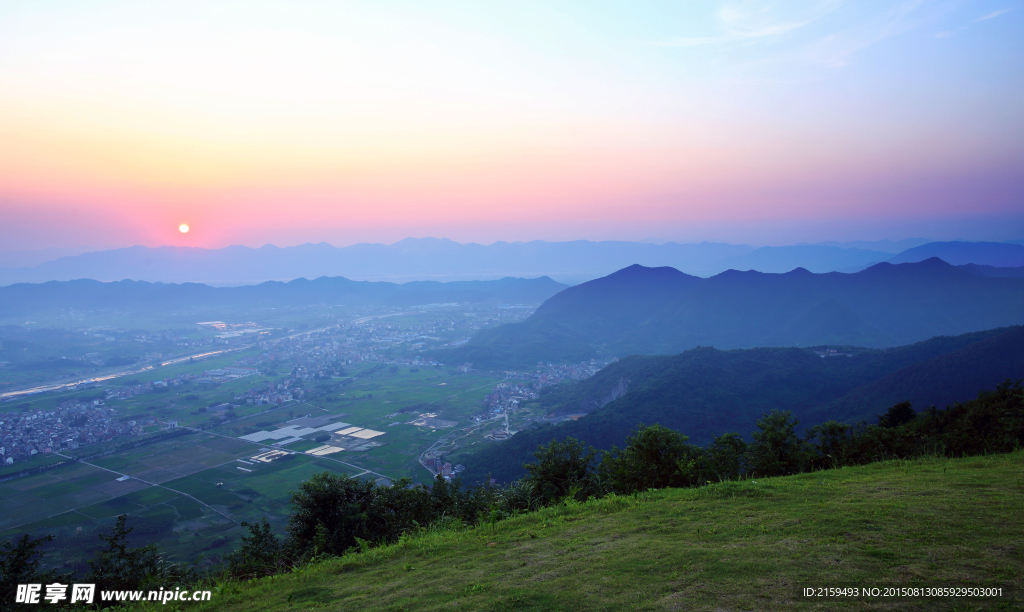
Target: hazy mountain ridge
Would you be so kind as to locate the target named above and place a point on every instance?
(998, 254)
(442, 259)
(409, 259)
(640, 310)
(706, 392)
(26, 299)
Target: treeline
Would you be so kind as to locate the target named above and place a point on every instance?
(333, 515)
(657, 457)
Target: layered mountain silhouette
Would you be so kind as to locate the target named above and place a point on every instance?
(997, 254)
(706, 392)
(410, 259)
(431, 259)
(82, 295)
(640, 310)
(445, 260)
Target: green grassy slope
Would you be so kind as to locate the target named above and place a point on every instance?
(733, 546)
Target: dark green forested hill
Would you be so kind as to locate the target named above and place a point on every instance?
(936, 381)
(648, 311)
(705, 392)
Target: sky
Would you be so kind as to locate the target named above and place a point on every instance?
(259, 122)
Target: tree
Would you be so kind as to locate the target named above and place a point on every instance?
(563, 468)
(776, 449)
(829, 444)
(337, 503)
(120, 567)
(655, 457)
(897, 415)
(723, 459)
(19, 564)
(261, 553)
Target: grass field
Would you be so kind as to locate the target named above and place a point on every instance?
(749, 545)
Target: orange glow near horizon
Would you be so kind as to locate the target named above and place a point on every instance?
(272, 122)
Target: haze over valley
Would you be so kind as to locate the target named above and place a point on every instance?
(511, 306)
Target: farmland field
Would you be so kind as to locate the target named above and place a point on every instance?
(188, 488)
(204, 453)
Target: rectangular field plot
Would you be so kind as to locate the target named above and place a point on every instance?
(278, 485)
(290, 431)
(151, 496)
(62, 489)
(55, 489)
(187, 509)
(165, 462)
(111, 507)
(324, 450)
(115, 488)
(268, 456)
(207, 492)
(60, 520)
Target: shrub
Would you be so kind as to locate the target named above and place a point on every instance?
(655, 457)
(723, 459)
(897, 415)
(563, 469)
(120, 567)
(261, 553)
(776, 449)
(19, 564)
(336, 504)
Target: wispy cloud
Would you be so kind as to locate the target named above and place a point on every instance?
(831, 42)
(749, 21)
(838, 48)
(993, 14)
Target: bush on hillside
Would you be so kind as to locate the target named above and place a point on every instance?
(120, 567)
(337, 506)
(563, 469)
(722, 460)
(655, 457)
(261, 553)
(899, 414)
(19, 564)
(776, 449)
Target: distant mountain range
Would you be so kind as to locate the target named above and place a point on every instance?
(445, 260)
(410, 259)
(431, 259)
(706, 392)
(998, 254)
(88, 295)
(640, 310)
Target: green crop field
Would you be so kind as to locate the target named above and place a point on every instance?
(750, 545)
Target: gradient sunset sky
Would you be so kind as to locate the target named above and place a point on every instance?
(290, 122)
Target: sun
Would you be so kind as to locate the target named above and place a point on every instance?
(183, 228)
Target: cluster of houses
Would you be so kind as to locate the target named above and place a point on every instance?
(438, 465)
(271, 393)
(225, 374)
(552, 374)
(324, 354)
(72, 424)
(130, 391)
(506, 396)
